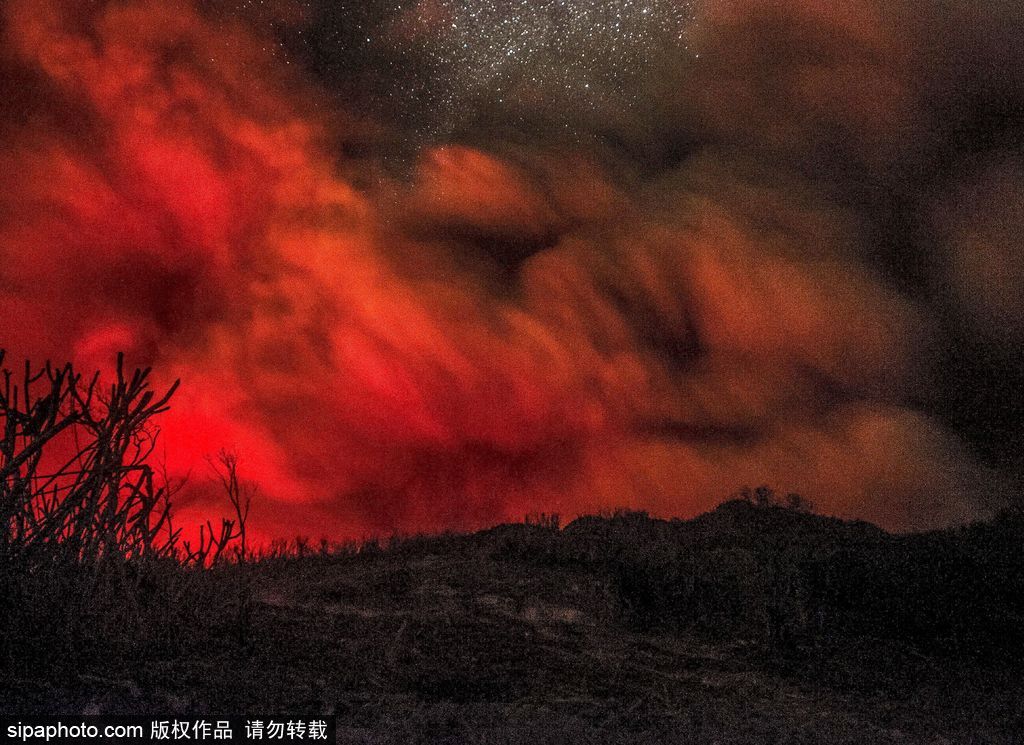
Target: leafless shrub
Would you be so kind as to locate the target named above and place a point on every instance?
(548, 520)
(74, 476)
(92, 566)
(765, 496)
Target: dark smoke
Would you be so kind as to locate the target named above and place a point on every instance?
(798, 264)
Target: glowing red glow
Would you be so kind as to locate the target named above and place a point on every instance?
(191, 214)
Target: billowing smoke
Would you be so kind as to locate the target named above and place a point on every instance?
(797, 263)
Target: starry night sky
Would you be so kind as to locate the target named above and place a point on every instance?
(442, 69)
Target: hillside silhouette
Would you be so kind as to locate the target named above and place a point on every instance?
(752, 623)
(759, 621)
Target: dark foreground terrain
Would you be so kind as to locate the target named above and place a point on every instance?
(751, 624)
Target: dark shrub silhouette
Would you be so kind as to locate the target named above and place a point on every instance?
(91, 566)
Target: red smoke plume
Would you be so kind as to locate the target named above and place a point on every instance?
(171, 194)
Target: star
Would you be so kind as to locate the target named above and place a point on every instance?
(438, 66)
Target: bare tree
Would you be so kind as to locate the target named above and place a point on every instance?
(214, 543)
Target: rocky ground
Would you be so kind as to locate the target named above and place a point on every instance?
(509, 637)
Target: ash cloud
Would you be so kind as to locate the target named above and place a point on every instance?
(797, 263)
